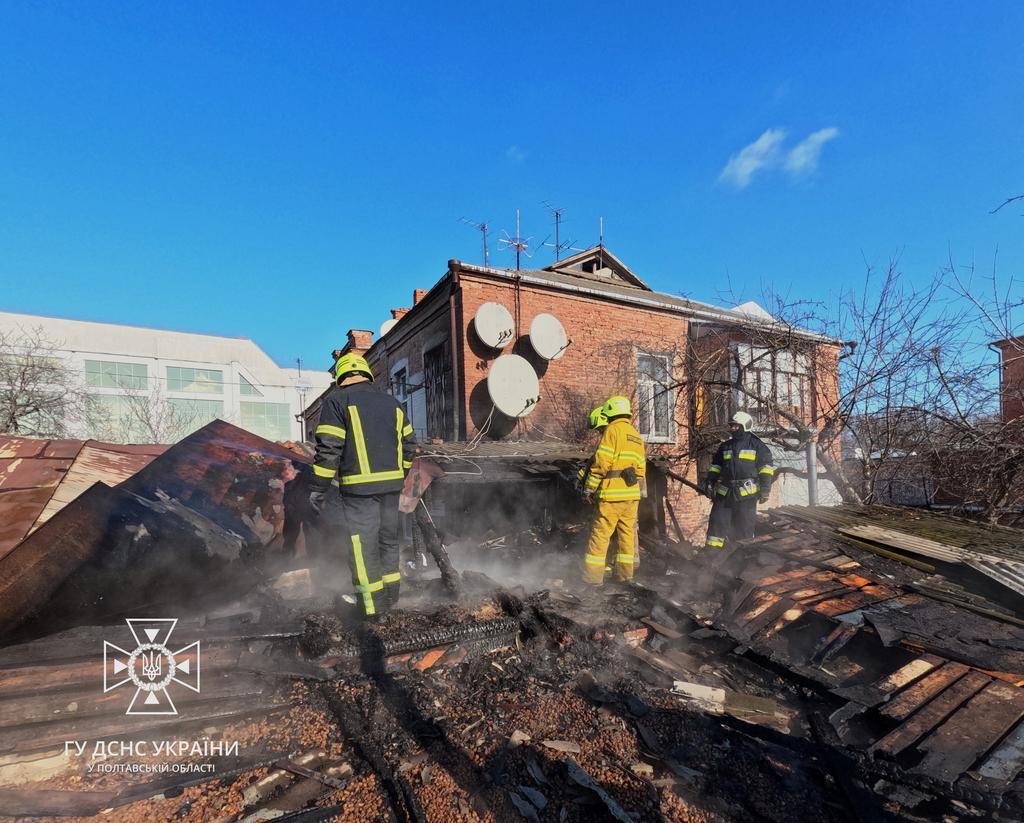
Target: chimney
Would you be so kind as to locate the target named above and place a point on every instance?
(417, 295)
(359, 340)
(398, 314)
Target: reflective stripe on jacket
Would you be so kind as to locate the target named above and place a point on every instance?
(743, 457)
(621, 448)
(364, 440)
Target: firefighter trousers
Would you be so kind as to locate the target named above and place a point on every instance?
(731, 519)
(371, 544)
(613, 517)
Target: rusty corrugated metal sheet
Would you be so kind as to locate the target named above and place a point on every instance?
(97, 462)
(39, 477)
(194, 523)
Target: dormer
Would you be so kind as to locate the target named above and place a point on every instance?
(600, 265)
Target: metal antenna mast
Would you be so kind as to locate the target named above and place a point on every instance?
(519, 243)
(483, 228)
(558, 245)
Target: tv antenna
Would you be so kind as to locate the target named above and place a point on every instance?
(483, 228)
(558, 245)
(519, 243)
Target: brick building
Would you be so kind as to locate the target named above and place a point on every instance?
(624, 337)
(1011, 378)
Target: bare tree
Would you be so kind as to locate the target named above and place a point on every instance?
(39, 394)
(917, 395)
(152, 417)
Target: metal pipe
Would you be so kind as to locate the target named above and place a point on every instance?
(812, 473)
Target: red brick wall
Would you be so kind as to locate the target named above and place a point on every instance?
(600, 362)
(405, 345)
(1012, 381)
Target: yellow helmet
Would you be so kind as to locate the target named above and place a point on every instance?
(350, 364)
(617, 406)
(597, 418)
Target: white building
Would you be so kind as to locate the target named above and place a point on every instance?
(148, 384)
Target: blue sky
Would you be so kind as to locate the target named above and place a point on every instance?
(288, 171)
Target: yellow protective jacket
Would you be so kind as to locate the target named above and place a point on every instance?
(621, 448)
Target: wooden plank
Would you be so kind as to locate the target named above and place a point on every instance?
(818, 578)
(956, 744)
(1007, 760)
(803, 571)
(44, 708)
(48, 678)
(664, 631)
(842, 605)
(931, 715)
(871, 694)
(53, 802)
(911, 699)
(906, 542)
(808, 592)
(42, 736)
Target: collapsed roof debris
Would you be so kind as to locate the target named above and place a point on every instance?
(161, 536)
(806, 674)
(39, 477)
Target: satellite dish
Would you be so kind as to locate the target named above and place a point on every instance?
(386, 326)
(494, 325)
(513, 385)
(548, 337)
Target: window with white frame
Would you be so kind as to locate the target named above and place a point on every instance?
(109, 374)
(654, 406)
(270, 420)
(188, 414)
(246, 388)
(195, 381)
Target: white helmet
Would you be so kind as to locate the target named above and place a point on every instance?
(743, 420)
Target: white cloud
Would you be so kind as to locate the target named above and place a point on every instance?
(767, 153)
(761, 154)
(804, 157)
(515, 154)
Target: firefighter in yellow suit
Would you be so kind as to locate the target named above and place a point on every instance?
(616, 479)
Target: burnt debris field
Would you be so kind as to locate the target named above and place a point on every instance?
(847, 664)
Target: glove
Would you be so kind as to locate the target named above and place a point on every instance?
(317, 498)
(588, 499)
(763, 496)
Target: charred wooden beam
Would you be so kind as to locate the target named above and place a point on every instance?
(432, 540)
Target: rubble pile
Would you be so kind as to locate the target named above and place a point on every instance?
(807, 674)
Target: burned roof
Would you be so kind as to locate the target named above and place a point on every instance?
(213, 500)
(39, 477)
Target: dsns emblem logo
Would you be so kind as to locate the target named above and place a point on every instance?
(151, 667)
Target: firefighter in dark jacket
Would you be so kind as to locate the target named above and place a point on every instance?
(740, 475)
(365, 443)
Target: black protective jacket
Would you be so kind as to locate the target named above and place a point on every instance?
(364, 440)
(743, 466)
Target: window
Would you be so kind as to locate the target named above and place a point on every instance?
(188, 415)
(270, 420)
(112, 417)
(654, 405)
(195, 381)
(107, 374)
(437, 378)
(768, 375)
(247, 388)
(400, 390)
